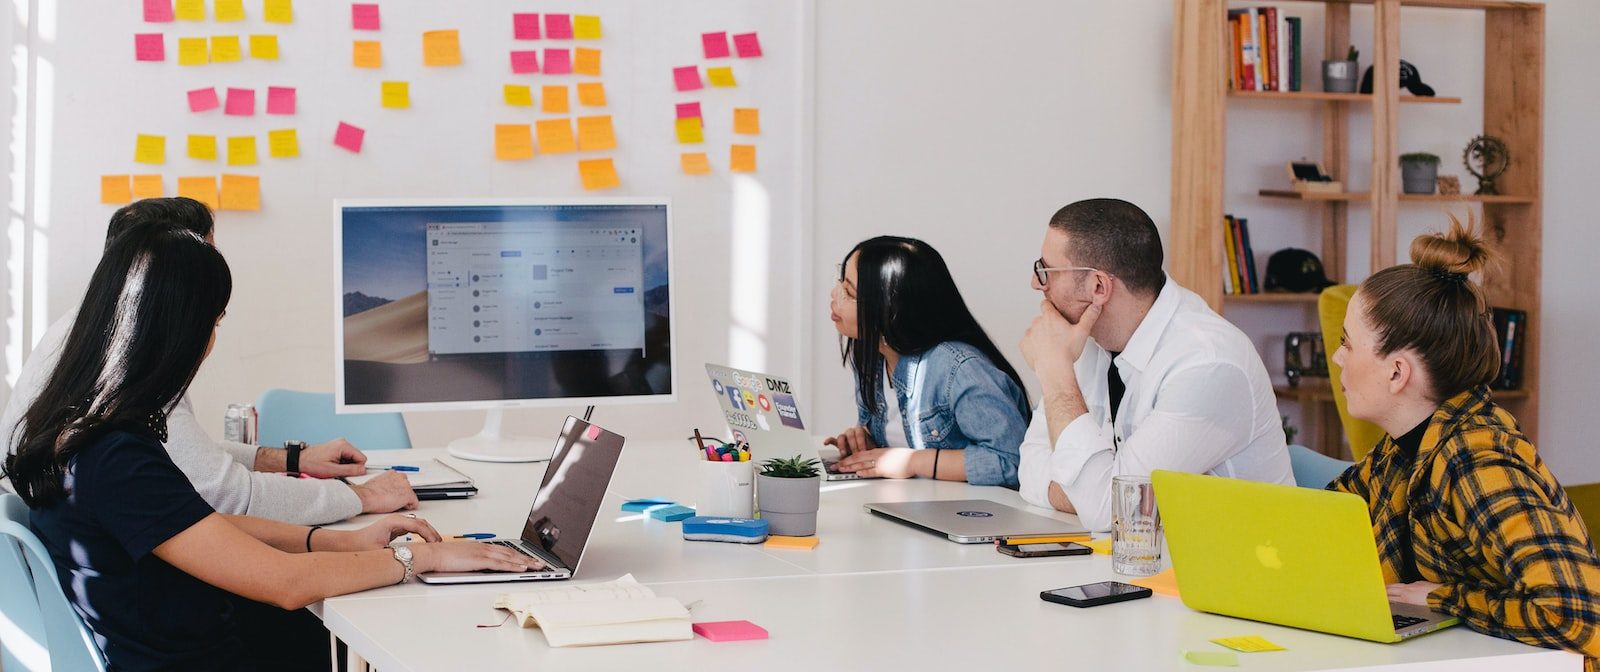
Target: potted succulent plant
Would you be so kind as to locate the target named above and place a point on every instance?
(788, 493)
(1419, 172)
(1340, 76)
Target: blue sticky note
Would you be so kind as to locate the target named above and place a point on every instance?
(637, 505)
(672, 513)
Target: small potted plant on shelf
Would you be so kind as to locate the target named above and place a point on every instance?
(1419, 172)
(788, 493)
(1340, 76)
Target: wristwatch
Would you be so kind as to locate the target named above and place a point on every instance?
(292, 463)
(403, 554)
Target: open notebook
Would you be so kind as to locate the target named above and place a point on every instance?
(614, 612)
(433, 480)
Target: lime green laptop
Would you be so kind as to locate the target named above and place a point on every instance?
(1283, 555)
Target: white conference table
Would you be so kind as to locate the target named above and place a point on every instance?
(873, 592)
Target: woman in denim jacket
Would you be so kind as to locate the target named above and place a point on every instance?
(959, 409)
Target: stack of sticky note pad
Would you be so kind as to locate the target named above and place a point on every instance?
(733, 530)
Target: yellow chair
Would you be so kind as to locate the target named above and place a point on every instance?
(1331, 306)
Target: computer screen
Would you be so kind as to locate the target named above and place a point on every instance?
(497, 304)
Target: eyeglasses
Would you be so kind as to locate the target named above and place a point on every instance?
(1042, 272)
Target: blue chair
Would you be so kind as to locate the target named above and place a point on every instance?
(1313, 469)
(52, 635)
(288, 415)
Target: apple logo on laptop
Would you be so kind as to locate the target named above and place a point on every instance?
(1268, 555)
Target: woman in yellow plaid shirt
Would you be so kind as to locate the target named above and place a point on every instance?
(1468, 520)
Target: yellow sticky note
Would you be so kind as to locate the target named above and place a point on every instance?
(519, 95)
(555, 99)
(513, 142)
(1101, 546)
(150, 149)
(1249, 644)
(115, 189)
(689, 131)
(203, 189)
(598, 174)
(241, 192)
(277, 11)
(595, 134)
(586, 27)
(397, 95)
(147, 186)
(592, 94)
(264, 47)
(441, 47)
(586, 61)
(555, 136)
(230, 10)
(366, 54)
(695, 163)
(203, 147)
(193, 51)
(242, 150)
(747, 121)
(190, 10)
(791, 543)
(283, 143)
(225, 49)
(722, 76)
(1165, 583)
(742, 158)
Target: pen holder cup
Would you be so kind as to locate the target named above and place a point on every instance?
(727, 489)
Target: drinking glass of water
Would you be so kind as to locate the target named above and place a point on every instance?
(1136, 528)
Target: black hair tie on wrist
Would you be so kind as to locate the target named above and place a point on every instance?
(310, 532)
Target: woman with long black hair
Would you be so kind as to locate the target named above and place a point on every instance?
(954, 409)
(154, 571)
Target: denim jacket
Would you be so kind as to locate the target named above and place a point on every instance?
(953, 397)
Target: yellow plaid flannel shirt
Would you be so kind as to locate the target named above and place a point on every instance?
(1490, 524)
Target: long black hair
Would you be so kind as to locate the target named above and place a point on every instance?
(141, 332)
(906, 298)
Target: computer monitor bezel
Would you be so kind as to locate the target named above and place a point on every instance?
(339, 207)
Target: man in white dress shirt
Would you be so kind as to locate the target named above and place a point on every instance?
(1138, 374)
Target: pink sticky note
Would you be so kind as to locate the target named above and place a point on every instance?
(689, 110)
(593, 432)
(158, 11)
(524, 62)
(730, 631)
(280, 100)
(149, 47)
(241, 102)
(525, 26)
(748, 44)
(557, 61)
(349, 137)
(365, 16)
(558, 26)
(687, 78)
(204, 99)
(716, 44)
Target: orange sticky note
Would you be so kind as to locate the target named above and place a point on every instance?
(695, 163)
(115, 189)
(147, 186)
(742, 158)
(722, 76)
(1165, 583)
(592, 94)
(242, 150)
(791, 543)
(555, 99)
(203, 189)
(366, 54)
(241, 192)
(264, 47)
(598, 174)
(555, 136)
(747, 121)
(397, 95)
(150, 149)
(203, 147)
(441, 47)
(283, 143)
(225, 49)
(277, 11)
(586, 27)
(193, 51)
(190, 10)
(519, 95)
(586, 61)
(230, 10)
(595, 134)
(689, 131)
(513, 142)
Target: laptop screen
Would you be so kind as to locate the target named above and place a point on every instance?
(568, 501)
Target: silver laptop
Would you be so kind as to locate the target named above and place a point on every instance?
(564, 509)
(972, 521)
(763, 409)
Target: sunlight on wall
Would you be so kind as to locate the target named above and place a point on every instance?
(748, 274)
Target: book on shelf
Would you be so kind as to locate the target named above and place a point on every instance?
(1239, 273)
(1265, 50)
(1511, 327)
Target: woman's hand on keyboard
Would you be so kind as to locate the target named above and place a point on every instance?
(470, 556)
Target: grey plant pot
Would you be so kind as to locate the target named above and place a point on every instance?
(789, 505)
(1418, 177)
(1339, 76)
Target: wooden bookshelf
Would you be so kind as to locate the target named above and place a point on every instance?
(1512, 103)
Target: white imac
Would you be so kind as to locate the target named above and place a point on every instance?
(502, 303)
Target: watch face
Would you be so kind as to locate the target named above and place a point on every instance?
(403, 552)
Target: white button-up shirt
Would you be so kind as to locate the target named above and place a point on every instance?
(1198, 400)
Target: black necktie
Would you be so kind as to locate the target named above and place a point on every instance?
(1114, 385)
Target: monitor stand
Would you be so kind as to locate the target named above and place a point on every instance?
(489, 445)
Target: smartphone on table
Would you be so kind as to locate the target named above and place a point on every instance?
(1095, 594)
(1049, 550)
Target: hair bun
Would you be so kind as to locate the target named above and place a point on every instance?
(1457, 251)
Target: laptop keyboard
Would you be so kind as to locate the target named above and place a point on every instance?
(1403, 622)
(518, 548)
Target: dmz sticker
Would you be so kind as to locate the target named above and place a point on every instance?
(788, 411)
(975, 514)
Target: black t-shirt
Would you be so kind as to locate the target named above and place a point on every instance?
(1409, 445)
(126, 498)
